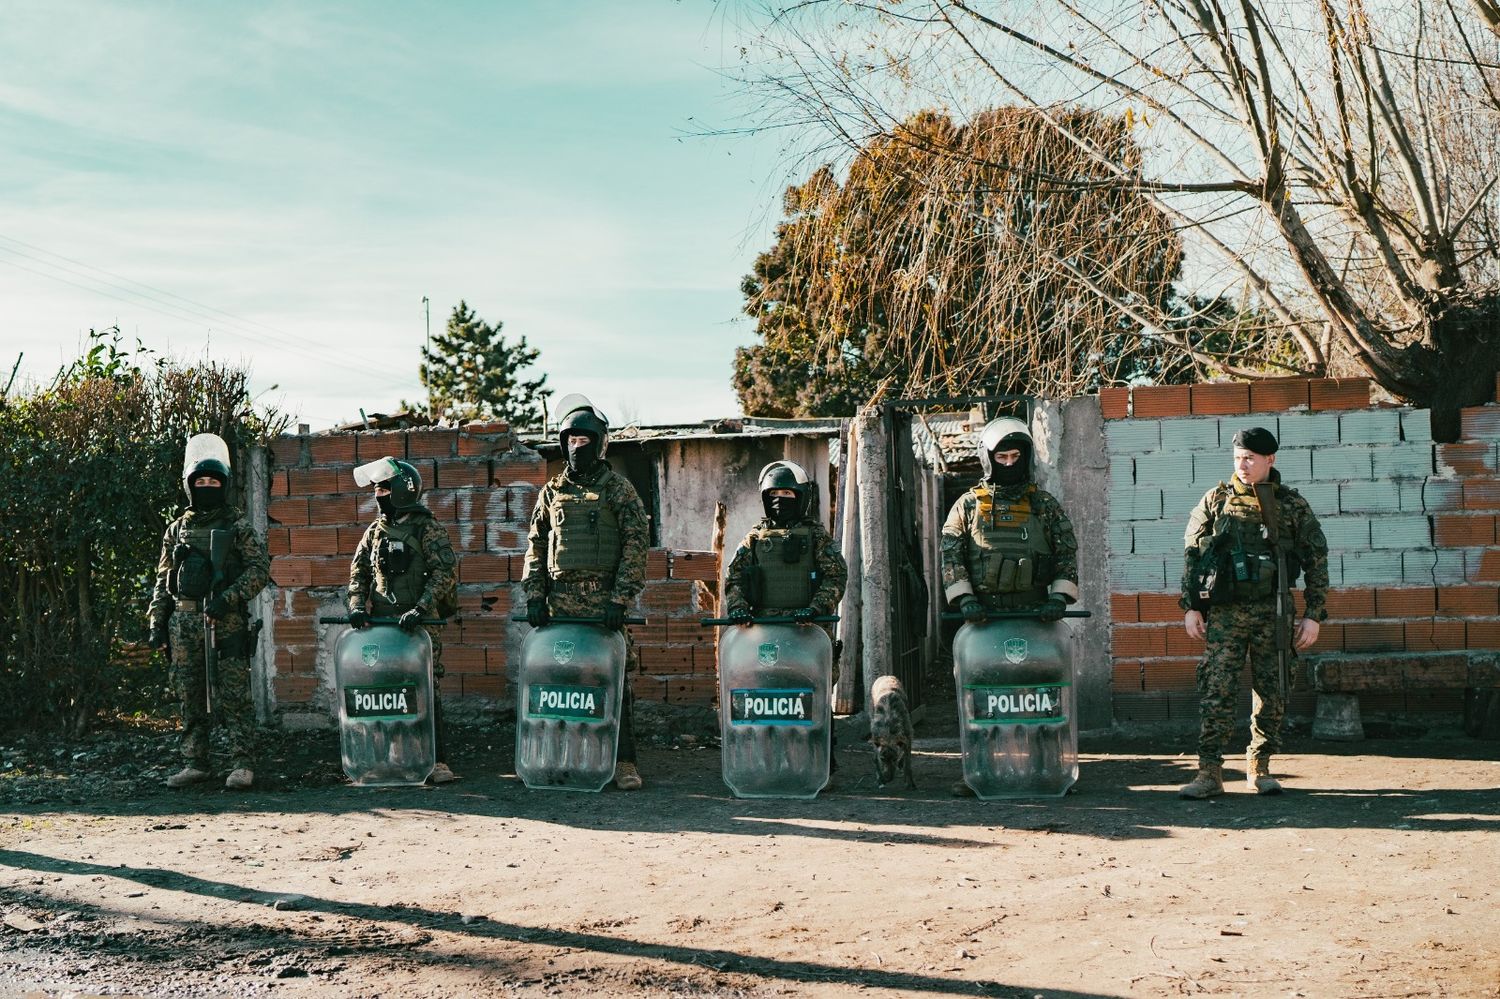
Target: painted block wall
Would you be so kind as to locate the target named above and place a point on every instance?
(1414, 560)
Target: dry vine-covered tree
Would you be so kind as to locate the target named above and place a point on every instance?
(949, 261)
(1330, 164)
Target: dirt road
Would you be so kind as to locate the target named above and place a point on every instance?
(1374, 875)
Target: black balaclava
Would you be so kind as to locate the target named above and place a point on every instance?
(583, 459)
(206, 499)
(387, 508)
(783, 510)
(1011, 475)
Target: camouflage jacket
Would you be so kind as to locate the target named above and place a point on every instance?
(957, 539)
(1297, 526)
(833, 573)
(629, 577)
(249, 549)
(373, 587)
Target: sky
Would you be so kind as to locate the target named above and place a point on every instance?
(280, 184)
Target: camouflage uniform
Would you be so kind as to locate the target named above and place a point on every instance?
(377, 589)
(963, 569)
(832, 574)
(1247, 628)
(233, 708)
(585, 593)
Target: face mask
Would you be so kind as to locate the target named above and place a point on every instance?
(783, 509)
(1009, 475)
(387, 508)
(206, 498)
(583, 457)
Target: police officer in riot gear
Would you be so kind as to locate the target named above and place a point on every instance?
(405, 569)
(212, 564)
(586, 549)
(1008, 545)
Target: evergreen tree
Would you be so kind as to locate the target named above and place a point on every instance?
(471, 372)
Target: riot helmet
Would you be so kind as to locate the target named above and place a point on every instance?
(576, 415)
(1005, 434)
(401, 478)
(205, 455)
(780, 475)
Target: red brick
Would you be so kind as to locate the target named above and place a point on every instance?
(301, 604)
(1442, 494)
(648, 688)
(1138, 641)
(379, 444)
(497, 601)
(288, 572)
(1127, 675)
(657, 563)
(1468, 601)
(1434, 636)
(331, 449)
(1124, 608)
(519, 468)
(1330, 638)
(484, 685)
(291, 511)
(306, 481)
(484, 569)
(456, 474)
(1406, 602)
(1221, 399)
(1272, 395)
(332, 510)
(286, 660)
(485, 630)
(503, 538)
(1179, 644)
(1481, 494)
(1484, 634)
(297, 633)
(702, 690)
(1114, 403)
(1485, 568)
(286, 451)
(494, 660)
(349, 538)
(517, 564)
(1160, 607)
(652, 632)
(480, 447)
(314, 540)
(1161, 401)
(688, 629)
(1456, 530)
(278, 483)
(1171, 674)
(463, 658)
(1338, 393)
(466, 537)
(330, 571)
(667, 595)
(295, 688)
(1467, 458)
(1346, 604)
(671, 659)
(1374, 636)
(1480, 423)
(424, 443)
(277, 541)
(694, 565)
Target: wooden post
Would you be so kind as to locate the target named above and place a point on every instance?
(845, 698)
(874, 539)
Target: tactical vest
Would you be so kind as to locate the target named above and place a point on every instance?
(585, 535)
(400, 566)
(1008, 548)
(1245, 551)
(192, 575)
(787, 560)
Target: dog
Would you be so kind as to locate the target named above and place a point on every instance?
(890, 730)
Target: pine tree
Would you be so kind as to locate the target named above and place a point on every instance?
(471, 372)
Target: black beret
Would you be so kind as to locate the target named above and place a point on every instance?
(1257, 439)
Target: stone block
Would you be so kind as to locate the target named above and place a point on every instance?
(1368, 497)
(1190, 435)
(1341, 463)
(1295, 464)
(1138, 572)
(1133, 503)
(1401, 461)
(1416, 425)
(1370, 568)
(1165, 468)
(1121, 470)
(1132, 436)
(1158, 537)
(1433, 566)
(1337, 718)
(1346, 533)
(1120, 538)
(1307, 429)
(1336, 570)
(1323, 497)
(1401, 531)
(1178, 502)
(1370, 426)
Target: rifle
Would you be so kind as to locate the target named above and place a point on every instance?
(1265, 494)
(218, 553)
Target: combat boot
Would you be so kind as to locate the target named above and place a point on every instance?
(441, 774)
(187, 775)
(1258, 775)
(240, 779)
(627, 777)
(1208, 783)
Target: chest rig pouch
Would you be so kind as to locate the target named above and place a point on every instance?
(784, 567)
(400, 568)
(192, 575)
(1237, 564)
(1008, 548)
(585, 533)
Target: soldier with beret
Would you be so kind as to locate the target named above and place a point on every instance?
(1246, 542)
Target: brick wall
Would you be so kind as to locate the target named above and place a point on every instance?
(482, 485)
(1414, 560)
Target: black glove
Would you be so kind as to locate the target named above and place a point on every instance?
(1052, 610)
(217, 608)
(971, 608)
(536, 612)
(742, 616)
(804, 615)
(158, 638)
(410, 620)
(614, 616)
(359, 619)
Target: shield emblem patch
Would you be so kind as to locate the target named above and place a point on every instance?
(562, 652)
(1015, 649)
(370, 654)
(768, 653)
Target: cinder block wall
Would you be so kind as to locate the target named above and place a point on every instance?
(482, 484)
(1415, 559)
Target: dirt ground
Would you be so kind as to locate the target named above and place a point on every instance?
(1374, 875)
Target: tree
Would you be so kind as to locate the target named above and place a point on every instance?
(1332, 162)
(471, 372)
(940, 266)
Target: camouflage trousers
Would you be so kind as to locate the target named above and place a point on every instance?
(1237, 632)
(592, 605)
(233, 709)
(435, 632)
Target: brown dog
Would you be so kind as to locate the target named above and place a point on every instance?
(890, 730)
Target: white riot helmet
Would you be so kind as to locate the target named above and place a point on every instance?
(205, 454)
(1009, 433)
